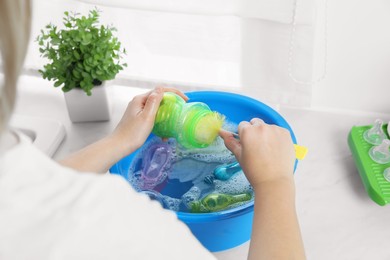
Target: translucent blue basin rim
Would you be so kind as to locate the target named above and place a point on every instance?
(226, 229)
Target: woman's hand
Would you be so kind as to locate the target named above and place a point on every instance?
(265, 152)
(131, 132)
(266, 155)
(138, 119)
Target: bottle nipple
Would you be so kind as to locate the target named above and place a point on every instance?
(375, 134)
(381, 153)
(386, 174)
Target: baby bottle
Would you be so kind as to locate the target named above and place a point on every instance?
(217, 201)
(193, 124)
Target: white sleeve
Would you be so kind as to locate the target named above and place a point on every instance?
(52, 212)
(131, 226)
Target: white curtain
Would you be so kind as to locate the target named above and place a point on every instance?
(273, 10)
(237, 45)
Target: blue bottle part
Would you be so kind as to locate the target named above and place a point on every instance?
(375, 135)
(225, 172)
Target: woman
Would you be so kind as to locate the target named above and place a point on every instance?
(53, 211)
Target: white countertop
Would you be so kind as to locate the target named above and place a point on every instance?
(338, 220)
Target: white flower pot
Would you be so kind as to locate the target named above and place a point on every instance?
(83, 108)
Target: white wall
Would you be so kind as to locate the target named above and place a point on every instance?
(358, 71)
(161, 46)
(242, 50)
(249, 54)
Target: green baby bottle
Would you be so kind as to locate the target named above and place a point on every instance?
(217, 201)
(193, 124)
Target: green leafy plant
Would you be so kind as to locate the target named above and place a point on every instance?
(82, 55)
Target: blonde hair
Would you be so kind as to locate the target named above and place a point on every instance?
(15, 16)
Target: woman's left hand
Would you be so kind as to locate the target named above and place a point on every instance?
(131, 132)
(138, 119)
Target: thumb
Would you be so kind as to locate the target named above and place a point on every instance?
(231, 142)
(153, 102)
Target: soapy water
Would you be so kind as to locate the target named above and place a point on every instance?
(181, 179)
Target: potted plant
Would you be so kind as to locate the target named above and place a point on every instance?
(82, 57)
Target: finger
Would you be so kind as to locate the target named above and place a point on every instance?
(225, 134)
(176, 91)
(231, 142)
(153, 102)
(140, 99)
(257, 121)
(147, 93)
(243, 125)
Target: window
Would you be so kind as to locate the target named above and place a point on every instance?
(236, 45)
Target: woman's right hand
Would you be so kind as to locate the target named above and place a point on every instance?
(265, 152)
(266, 155)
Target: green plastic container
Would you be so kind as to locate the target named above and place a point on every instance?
(193, 124)
(371, 173)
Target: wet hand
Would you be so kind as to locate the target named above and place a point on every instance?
(138, 119)
(265, 152)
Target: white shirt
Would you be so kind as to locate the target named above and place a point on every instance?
(51, 212)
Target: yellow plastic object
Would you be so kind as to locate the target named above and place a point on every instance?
(300, 151)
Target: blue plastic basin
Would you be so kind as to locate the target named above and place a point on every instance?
(226, 229)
